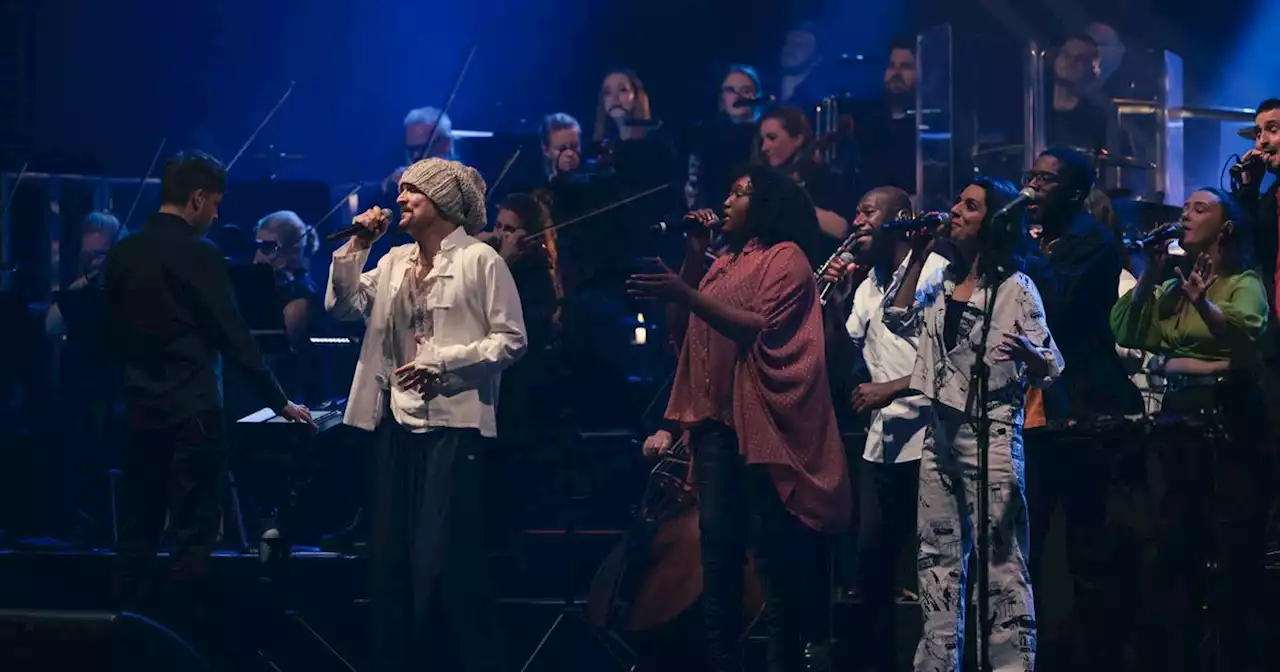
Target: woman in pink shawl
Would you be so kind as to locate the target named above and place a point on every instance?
(751, 391)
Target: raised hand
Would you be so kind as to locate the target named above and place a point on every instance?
(1195, 285)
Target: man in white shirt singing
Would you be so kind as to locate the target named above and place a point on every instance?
(443, 320)
(889, 472)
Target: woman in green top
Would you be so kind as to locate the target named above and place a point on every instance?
(1206, 324)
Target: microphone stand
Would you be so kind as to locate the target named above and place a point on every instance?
(979, 394)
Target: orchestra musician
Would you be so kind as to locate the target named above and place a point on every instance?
(283, 242)
(949, 317)
(561, 145)
(887, 140)
(800, 81)
(98, 233)
(787, 144)
(1207, 327)
(443, 320)
(724, 145)
(420, 126)
(889, 473)
(750, 391)
(168, 292)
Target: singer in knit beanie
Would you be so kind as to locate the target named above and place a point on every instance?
(456, 190)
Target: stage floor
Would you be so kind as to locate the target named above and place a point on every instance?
(327, 590)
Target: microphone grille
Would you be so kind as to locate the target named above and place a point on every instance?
(1029, 193)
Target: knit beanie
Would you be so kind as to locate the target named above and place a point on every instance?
(456, 190)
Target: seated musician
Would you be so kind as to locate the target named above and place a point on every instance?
(99, 231)
(422, 140)
(285, 244)
(532, 264)
(724, 145)
(1207, 324)
(561, 146)
(787, 143)
(750, 390)
(641, 151)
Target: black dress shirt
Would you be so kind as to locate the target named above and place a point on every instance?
(170, 314)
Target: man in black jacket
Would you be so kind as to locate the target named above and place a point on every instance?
(1084, 269)
(170, 316)
(1264, 208)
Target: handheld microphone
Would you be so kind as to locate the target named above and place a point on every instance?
(1026, 195)
(686, 225)
(825, 287)
(355, 229)
(1238, 170)
(1162, 233)
(925, 221)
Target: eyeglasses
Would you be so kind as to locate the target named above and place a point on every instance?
(268, 247)
(1042, 176)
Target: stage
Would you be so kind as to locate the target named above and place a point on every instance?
(323, 604)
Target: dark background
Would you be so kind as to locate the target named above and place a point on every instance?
(92, 86)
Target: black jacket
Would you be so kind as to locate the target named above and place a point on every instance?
(170, 313)
(1263, 212)
(1084, 263)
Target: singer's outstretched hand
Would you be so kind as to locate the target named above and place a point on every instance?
(373, 223)
(1197, 283)
(663, 284)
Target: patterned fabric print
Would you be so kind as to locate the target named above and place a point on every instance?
(944, 375)
(947, 508)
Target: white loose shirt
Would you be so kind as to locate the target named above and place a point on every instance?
(897, 431)
(476, 330)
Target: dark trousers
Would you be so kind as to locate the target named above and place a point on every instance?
(887, 523)
(1076, 471)
(177, 469)
(430, 582)
(1213, 506)
(737, 505)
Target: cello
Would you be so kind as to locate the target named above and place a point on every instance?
(654, 574)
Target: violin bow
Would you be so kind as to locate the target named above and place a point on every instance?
(8, 198)
(453, 92)
(599, 211)
(141, 185)
(258, 130)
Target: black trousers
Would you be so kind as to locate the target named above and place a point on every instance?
(887, 523)
(430, 575)
(739, 505)
(177, 469)
(1076, 471)
(1213, 505)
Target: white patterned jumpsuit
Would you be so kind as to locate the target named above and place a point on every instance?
(949, 467)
